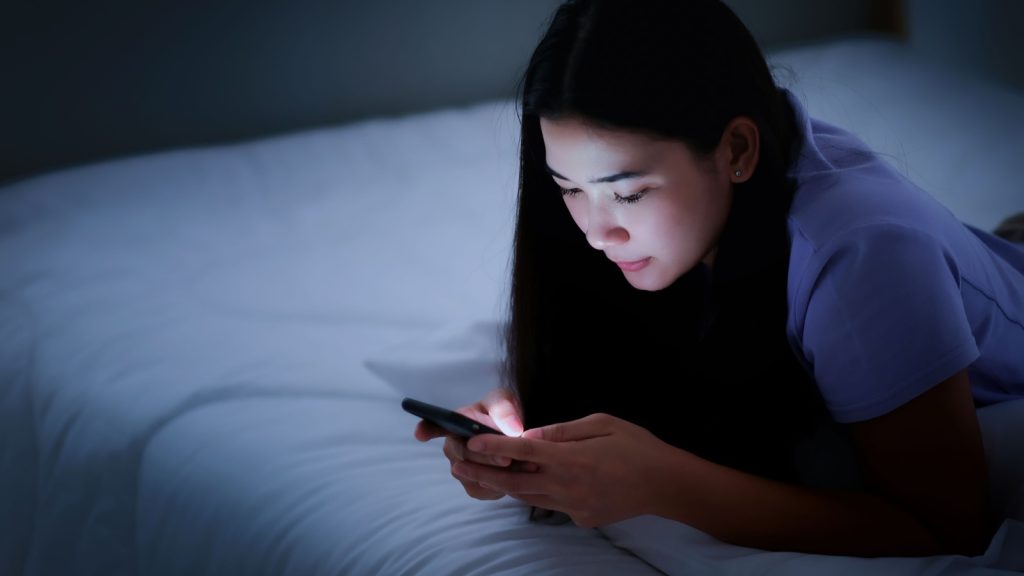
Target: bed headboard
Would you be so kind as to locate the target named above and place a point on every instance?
(95, 80)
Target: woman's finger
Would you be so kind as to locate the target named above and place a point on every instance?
(474, 489)
(426, 431)
(479, 492)
(503, 480)
(592, 426)
(504, 412)
(456, 451)
(518, 449)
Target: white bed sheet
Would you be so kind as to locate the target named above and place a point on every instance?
(346, 492)
(183, 388)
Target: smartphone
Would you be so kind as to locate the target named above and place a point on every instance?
(450, 420)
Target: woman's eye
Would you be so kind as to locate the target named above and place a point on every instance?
(632, 198)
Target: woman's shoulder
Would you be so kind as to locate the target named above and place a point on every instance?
(846, 190)
(855, 217)
(855, 206)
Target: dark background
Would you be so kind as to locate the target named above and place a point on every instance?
(83, 81)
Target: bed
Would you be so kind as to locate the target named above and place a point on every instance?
(205, 348)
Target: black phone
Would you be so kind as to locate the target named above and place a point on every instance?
(450, 420)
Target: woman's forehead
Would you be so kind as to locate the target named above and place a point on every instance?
(575, 145)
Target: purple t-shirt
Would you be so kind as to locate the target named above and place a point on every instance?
(890, 294)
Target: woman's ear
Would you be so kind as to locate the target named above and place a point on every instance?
(739, 148)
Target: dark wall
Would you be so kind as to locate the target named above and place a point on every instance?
(87, 80)
(982, 36)
(84, 81)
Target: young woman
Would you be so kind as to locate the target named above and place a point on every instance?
(730, 314)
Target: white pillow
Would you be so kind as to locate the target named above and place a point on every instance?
(1002, 428)
(676, 548)
(452, 367)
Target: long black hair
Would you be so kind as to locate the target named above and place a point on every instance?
(580, 339)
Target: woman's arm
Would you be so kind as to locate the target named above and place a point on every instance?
(924, 463)
(928, 457)
(926, 471)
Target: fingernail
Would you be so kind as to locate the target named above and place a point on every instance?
(502, 461)
(510, 427)
(459, 469)
(476, 444)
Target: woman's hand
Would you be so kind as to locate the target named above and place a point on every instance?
(499, 410)
(598, 469)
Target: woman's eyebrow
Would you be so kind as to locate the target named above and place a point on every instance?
(612, 178)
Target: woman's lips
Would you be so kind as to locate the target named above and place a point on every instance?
(634, 265)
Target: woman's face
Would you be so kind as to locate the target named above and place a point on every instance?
(652, 206)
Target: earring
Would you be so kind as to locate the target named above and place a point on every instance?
(738, 172)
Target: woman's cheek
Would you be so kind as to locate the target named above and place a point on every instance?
(578, 212)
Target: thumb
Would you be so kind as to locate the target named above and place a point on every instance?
(507, 420)
(504, 413)
(591, 426)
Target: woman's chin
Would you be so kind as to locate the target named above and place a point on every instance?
(648, 282)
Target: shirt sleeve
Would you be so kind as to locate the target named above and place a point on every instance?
(884, 321)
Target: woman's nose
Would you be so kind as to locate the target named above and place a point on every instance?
(602, 230)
